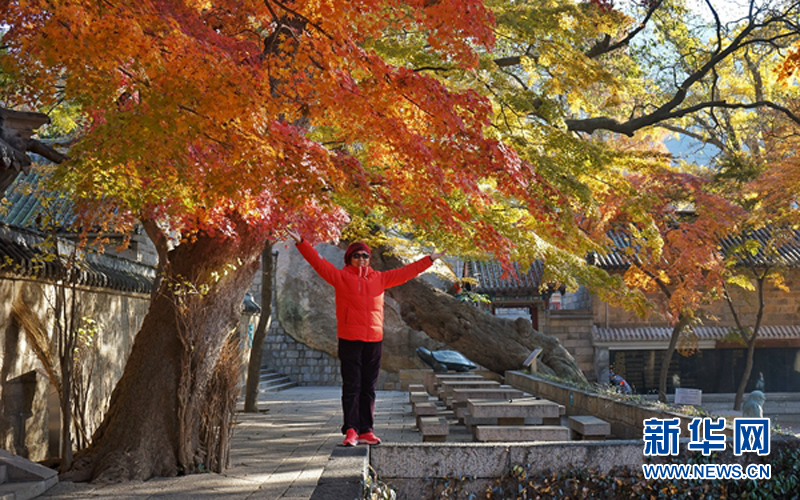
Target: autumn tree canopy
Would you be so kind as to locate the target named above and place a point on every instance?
(523, 129)
(230, 121)
(278, 111)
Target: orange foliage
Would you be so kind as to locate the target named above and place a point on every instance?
(676, 255)
(271, 109)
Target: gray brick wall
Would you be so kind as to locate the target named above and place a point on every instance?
(301, 363)
(579, 299)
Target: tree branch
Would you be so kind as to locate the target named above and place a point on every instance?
(680, 130)
(46, 151)
(670, 110)
(605, 46)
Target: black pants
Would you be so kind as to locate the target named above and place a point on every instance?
(361, 362)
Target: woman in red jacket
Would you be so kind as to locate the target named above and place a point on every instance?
(359, 325)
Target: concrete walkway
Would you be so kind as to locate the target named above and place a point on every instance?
(278, 454)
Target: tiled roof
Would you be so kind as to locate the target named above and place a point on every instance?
(493, 280)
(788, 254)
(24, 206)
(662, 334)
(21, 255)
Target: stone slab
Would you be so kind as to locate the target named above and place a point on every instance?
(411, 468)
(490, 460)
(524, 408)
(446, 387)
(470, 422)
(503, 392)
(432, 380)
(433, 426)
(418, 397)
(346, 463)
(521, 433)
(425, 408)
(589, 426)
(416, 388)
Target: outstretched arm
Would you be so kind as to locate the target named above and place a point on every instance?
(400, 275)
(325, 269)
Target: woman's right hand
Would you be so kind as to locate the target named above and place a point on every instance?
(295, 235)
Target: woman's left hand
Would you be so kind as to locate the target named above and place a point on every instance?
(436, 255)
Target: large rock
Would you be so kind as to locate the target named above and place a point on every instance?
(307, 311)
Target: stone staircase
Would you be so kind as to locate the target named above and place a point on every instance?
(21, 479)
(271, 381)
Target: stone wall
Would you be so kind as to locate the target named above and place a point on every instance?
(24, 430)
(299, 362)
(29, 414)
(573, 328)
(579, 299)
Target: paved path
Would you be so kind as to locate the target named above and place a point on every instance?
(278, 454)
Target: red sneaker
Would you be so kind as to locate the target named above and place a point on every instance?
(351, 438)
(368, 438)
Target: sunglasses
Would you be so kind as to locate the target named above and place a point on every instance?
(361, 256)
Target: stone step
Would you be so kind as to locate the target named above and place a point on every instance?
(270, 381)
(268, 376)
(288, 384)
(418, 397)
(433, 380)
(517, 409)
(504, 392)
(425, 408)
(3, 474)
(589, 427)
(433, 429)
(447, 387)
(26, 479)
(520, 433)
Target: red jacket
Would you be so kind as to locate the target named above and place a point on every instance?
(359, 293)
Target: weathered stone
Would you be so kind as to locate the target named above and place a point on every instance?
(501, 393)
(418, 397)
(433, 428)
(447, 386)
(425, 409)
(589, 427)
(496, 433)
(531, 408)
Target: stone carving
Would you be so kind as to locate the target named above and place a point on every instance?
(754, 406)
(445, 360)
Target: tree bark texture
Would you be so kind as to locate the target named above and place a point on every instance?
(751, 344)
(152, 427)
(499, 344)
(683, 322)
(254, 365)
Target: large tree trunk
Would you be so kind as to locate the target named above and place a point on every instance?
(152, 427)
(254, 365)
(498, 344)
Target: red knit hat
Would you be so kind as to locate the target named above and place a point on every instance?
(353, 248)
